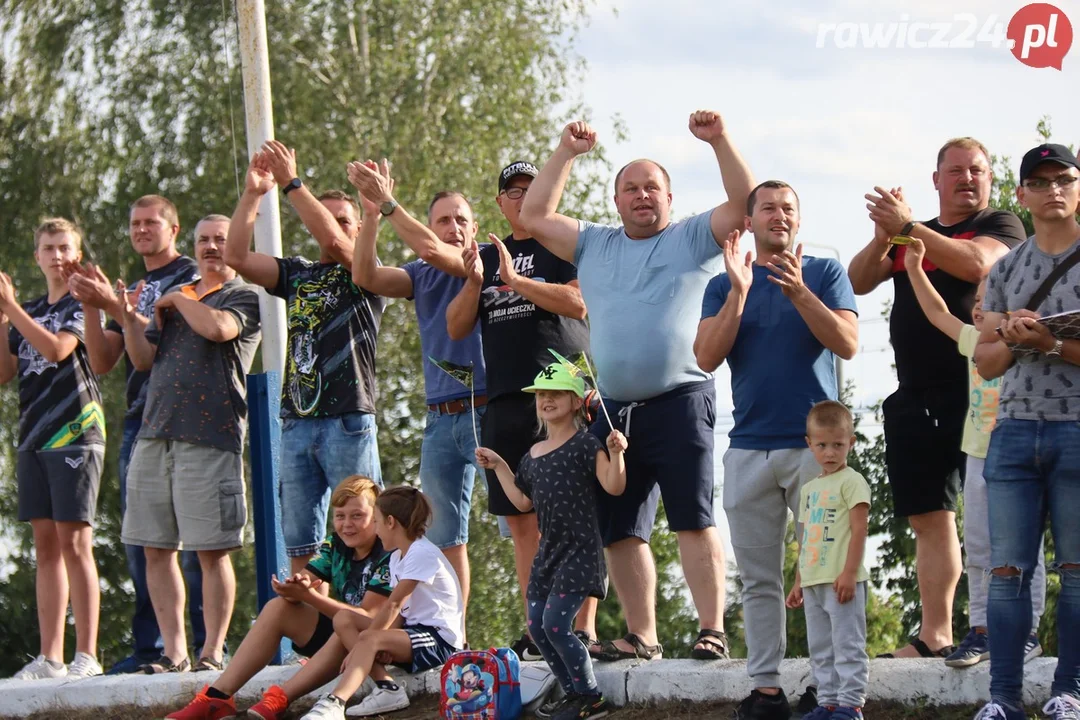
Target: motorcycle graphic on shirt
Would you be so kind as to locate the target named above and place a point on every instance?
(313, 303)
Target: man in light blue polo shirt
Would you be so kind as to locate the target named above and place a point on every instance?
(643, 284)
(779, 320)
(448, 453)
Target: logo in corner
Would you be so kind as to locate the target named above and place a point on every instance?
(1040, 35)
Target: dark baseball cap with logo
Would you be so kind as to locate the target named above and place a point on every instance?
(1049, 152)
(514, 169)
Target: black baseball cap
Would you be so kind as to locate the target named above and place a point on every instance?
(513, 170)
(1047, 152)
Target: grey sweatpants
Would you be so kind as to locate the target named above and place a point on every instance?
(760, 486)
(977, 550)
(836, 634)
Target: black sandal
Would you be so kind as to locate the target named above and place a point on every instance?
(610, 652)
(165, 665)
(592, 645)
(715, 642)
(923, 649)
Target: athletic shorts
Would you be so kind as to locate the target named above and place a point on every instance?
(324, 630)
(429, 649)
(60, 485)
(510, 428)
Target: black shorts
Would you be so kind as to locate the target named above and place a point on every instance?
(60, 485)
(324, 630)
(924, 429)
(510, 428)
(670, 455)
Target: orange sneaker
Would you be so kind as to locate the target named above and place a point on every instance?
(272, 706)
(204, 707)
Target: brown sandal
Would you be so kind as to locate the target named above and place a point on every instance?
(610, 652)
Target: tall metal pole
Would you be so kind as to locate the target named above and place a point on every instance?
(255, 63)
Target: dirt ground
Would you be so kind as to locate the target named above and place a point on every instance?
(428, 709)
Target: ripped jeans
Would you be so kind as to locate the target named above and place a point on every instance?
(1032, 473)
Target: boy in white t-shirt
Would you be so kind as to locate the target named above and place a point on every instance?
(418, 628)
(982, 414)
(834, 511)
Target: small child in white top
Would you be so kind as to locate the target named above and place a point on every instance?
(418, 628)
(834, 510)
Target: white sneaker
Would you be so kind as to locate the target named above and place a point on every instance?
(84, 666)
(40, 669)
(380, 701)
(328, 708)
(1062, 707)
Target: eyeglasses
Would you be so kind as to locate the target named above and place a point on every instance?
(515, 193)
(1041, 185)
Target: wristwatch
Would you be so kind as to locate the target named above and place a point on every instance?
(1056, 350)
(293, 184)
(906, 230)
(388, 208)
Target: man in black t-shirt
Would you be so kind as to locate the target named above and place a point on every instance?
(528, 302)
(153, 228)
(60, 452)
(924, 418)
(328, 427)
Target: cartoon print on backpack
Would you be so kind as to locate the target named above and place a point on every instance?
(468, 689)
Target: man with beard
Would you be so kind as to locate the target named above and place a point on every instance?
(924, 418)
(779, 319)
(153, 227)
(186, 488)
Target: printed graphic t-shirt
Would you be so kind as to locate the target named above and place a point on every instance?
(333, 326)
(517, 334)
(926, 357)
(59, 403)
(983, 405)
(349, 577)
(825, 505)
(181, 271)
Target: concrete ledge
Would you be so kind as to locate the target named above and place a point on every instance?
(630, 681)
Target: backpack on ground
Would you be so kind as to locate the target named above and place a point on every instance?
(481, 685)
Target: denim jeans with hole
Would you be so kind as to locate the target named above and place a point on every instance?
(1032, 473)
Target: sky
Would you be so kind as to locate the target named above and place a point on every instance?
(832, 121)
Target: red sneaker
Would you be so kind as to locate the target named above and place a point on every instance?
(204, 707)
(272, 706)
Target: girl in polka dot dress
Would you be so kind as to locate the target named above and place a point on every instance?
(560, 477)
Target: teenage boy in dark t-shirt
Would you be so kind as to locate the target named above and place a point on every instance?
(924, 418)
(153, 228)
(528, 302)
(328, 427)
(60, 452)
(447, 455)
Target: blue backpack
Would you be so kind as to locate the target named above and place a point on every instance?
(481, 685)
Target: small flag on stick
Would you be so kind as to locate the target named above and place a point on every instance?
(464, 375)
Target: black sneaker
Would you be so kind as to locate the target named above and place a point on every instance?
(759, 706)
(807, 701)
(581, 707)
(526, 649)
(552, 707)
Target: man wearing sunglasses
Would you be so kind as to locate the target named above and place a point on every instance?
(528, 302)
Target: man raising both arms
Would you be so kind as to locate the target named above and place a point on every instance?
(643, 283)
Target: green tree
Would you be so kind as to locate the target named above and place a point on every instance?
(103, 102)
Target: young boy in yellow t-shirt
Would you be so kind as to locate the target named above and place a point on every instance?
(981, 417)
(834, 510)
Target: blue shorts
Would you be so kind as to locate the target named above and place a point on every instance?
(316, 455)
(447, 474)
(670, 455)
(429, 649)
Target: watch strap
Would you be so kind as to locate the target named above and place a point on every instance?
(293, 184)
(906, 230)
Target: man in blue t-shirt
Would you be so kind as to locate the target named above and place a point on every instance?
(448, 453)
(780, 320)
(642, 283)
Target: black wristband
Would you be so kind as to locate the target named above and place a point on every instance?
(293, 184)
(906, 230)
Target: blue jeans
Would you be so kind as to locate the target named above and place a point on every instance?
(146, 638)
(447, 473)
(1032, 472)
(316, 455)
